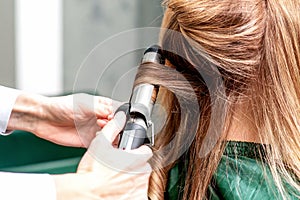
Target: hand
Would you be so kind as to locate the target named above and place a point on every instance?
(107, 173)
(71, 120)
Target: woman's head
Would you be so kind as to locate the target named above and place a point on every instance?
(254, 44)
(239, 36)
(231, 32)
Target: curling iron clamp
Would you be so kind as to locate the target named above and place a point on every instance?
(138, 110)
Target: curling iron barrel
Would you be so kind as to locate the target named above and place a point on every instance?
(139, 108)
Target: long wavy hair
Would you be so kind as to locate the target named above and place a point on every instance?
(254, 44)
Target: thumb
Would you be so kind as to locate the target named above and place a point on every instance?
(113, 127)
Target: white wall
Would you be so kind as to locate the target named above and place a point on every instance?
(38, 26)
(7, 54)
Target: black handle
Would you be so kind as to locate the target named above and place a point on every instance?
(133, 136)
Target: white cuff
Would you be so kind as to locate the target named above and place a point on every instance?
(8, 97)
(16, 186)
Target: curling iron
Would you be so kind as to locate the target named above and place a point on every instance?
(138, 110)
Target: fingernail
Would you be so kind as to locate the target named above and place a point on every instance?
(109, 117)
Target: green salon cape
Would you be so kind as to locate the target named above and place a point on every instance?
(240, 175)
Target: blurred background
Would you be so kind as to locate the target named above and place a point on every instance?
(44, 43)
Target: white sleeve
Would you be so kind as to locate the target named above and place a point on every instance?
(16, 186)
(8, 97)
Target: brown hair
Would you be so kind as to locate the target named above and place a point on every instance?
(255, 46)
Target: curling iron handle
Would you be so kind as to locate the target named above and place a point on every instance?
(133, 136)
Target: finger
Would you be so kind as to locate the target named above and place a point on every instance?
(104, 100)
(114, 127)
(102, 106)
(134, 161)
(111, 116)
(144, 149)
(102, 122)
(103, 111)
(85, 164)
(145, 152)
